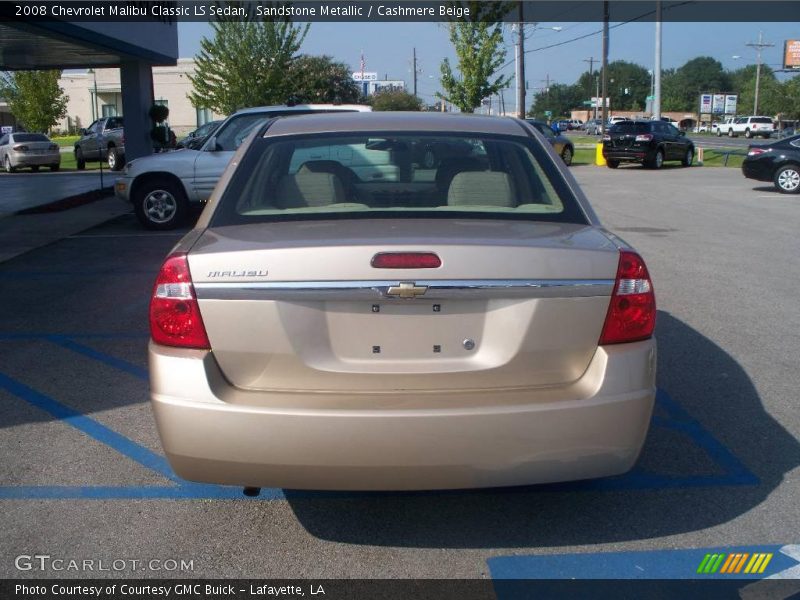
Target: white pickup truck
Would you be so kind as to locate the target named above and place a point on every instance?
(747, 126)
(162, 186)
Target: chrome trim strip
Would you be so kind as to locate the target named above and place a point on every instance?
(438, 289)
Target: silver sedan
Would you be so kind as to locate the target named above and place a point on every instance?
(33, 150)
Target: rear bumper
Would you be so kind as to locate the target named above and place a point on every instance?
(633, 155)
(28, 160)
(758, 170)
(512, 437)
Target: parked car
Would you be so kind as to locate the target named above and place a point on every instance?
(786, 133)
(561, 125)
(162, 187)
(196, 138)
(574, 124)
(647, 142)
(594, 126)
(28, 150)
(748, 126)
(562, 145)
(614, 120)
(434, 151)
(102, 140)
(477, 328)
(778, 162)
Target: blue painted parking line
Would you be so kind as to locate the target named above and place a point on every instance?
(102, 357)
(183, 491)
(97, 431)
(677, 419)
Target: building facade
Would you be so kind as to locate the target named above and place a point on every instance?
(97, 93)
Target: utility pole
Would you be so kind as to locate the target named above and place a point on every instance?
(605, 66)
(759, 46)
(657, 67)
(414, 67)
(596, 96)
(590, 60)
(520, 62)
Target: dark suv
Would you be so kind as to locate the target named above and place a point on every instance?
(646, 142)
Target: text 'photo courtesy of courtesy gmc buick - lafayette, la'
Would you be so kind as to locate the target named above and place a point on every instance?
(345, 316)
(163, 186)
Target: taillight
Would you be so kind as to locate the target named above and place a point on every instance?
(606, 138)
(755, 151)
(20, 148)
(174, 313)
(644, 137)
(632, 311)
(406, 260)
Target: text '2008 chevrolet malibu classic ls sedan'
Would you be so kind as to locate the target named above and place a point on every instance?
(343, 317)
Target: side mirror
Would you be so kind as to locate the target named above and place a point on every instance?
(82, 131)
(212, 145)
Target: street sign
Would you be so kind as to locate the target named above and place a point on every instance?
(588, 103)
(6, 129)
(548, 113)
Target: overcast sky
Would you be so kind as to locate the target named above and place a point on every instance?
(388, 47)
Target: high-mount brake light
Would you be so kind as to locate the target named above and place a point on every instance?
(406, 260)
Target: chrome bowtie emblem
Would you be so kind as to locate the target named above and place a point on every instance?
(407, 289)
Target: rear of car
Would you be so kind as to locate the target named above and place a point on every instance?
(29, 150)
(778, 162)
(468, 326)
(758, 127)
(650, 143)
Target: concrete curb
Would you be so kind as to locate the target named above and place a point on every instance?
(66, 203)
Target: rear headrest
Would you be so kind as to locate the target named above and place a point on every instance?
(481, 188)
(450, 166)
(308, 187)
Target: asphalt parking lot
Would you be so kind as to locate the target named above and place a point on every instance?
(83, 476)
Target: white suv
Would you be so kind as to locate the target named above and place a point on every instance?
(162, 186)
(749, 126)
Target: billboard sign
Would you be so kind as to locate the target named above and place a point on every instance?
(718, 104)
(791, 54)
(730, 104)
(705, 104)
(6, 129)
(359, 76)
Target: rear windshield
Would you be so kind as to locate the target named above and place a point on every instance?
(626, 127)
(396, 175)
(761, 120)
(30, 137)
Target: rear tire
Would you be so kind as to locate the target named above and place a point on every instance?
(748, 134)
(7, 166)
(566, 155)
(114, 159)
(730, 133)
(719, 132)
(160, 204)
(688, 158)
(657, 161)
(35, 168)
(80, 162)
(612, 164)
(787, 179)
(55, 167)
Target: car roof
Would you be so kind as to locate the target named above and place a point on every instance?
(305, 107)
(397, 121)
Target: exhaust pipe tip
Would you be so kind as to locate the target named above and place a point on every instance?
(251, 492)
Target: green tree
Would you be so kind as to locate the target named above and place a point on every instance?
(245, 64)
(699, 75)
(34, 98)
(480, 52)
(395, 100)
(770, 91)
(559, 99)
(320, 79)
(790, 92)
(628, 85)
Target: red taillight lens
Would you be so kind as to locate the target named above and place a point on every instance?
(20, 148)
(606, 138)
(755, 151)
(632, 311)
(406, 260)
(644, 137)
(174, 313)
